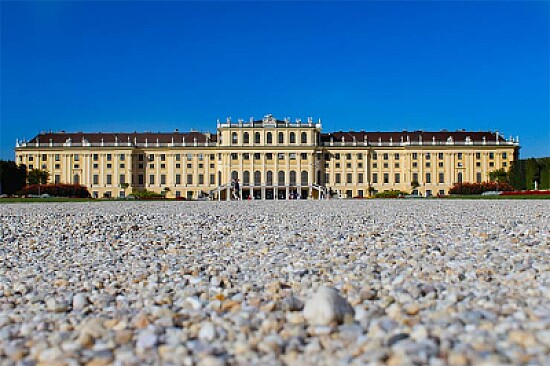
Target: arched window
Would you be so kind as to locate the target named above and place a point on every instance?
(281, 178)
(292, 138)
(460, 177)
(304, 178)
(76, 179)
(234, 175)
(246, 138)
(257, 138)
(257, 178)
(269, 138)
(281, 138)
(269, 180)
(304, 138)
(234, 138)
(246, 177)
(292, 178)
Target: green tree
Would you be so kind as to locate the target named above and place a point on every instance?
(544, 173)
(516, 175)
(415, 184)
(532, 173)
(38, 176)
(499, 175)
(12, 177)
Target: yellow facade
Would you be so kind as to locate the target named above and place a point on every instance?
(272, 159)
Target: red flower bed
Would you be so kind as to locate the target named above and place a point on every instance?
(479, 188)
(56, 190)
(525, 193)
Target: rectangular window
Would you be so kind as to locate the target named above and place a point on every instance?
(122, 157)
(109, 179)
(374, 156)
(303, 156)
(375, 165)
(415, 156)
(95, 179)
(151, 166)
(338, 178)
(201, 157)
(478, 177)
(292, 156)
(491, 164)
(163, 179)
(201, 165)
(441, 177)
(337, 165)
(152, 179)
(348, 156)
(56, 157)
(360, 165)
(396, 156)
(178, 166)
(177, 157)
(386, 178)
(327, 157)
(460, 165)
(428, 177)
(397, 178)
(201, 179)
(44, 157)
(151, 157)
(257, 156)
(359, 156)
(122, 166)
(504, 155)
(76, 166)
(246, 156)
(415, 177)
(122, 179)
(337, 156)
(491, 155)
(415, 165)
(440, 156)
(57, 179)
(428, 156)
(375, 177)
(234, 156)
(440, 164)
(386, 156)
(109, 157)
(478, 155)
(211, 156)
(140, 157)
(397, 165)
(140, 166)
(57, 166)
(269, 156)
(459, 156)
(189, 166)
(109, 166)
(140, 179)
(428, 164)
(162, 157)
(212, 179)
(178, 178)
(478, 164)
(348, 165)
(190, 157)
(280, 156)
(327, 178)
(385, 165)
(349, 178)
(189, 178)
(96, 157)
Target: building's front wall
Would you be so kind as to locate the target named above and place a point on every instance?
(292, 159)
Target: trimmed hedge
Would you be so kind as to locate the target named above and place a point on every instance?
(56, 190)
(389, 194)
(479, 188)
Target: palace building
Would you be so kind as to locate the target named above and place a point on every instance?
(271, 158)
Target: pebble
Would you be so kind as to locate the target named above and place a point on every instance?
(397, 282)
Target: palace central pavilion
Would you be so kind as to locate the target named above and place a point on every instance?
(271, 159)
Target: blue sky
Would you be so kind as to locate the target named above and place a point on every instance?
(139, 66)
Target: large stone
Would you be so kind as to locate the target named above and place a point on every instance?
(326, 307)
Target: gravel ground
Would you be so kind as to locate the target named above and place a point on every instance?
(394, 282)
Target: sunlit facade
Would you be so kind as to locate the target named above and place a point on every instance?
(270, 158)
